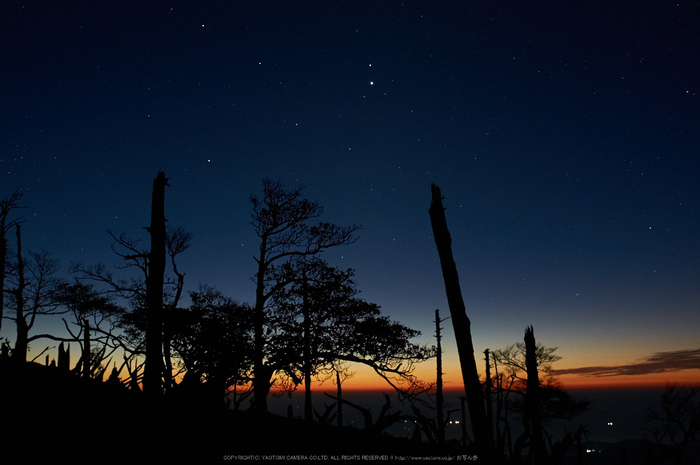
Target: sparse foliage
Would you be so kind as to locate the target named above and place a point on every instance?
(317, 322)
(132, 289)
(32, 294)
(675, 423)
(282, 220)
(92, 313)
(511, 382)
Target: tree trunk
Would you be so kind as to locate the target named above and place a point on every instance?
(483, 435)
(153, 371)
(533, 418)
(261, 380)
(339, 392)
(168, 368)
(63, 358)
(489, 388)
(438, 393)
(3, 257)
(167, 330)
(19, 354)
(86, 349)
(306, 311)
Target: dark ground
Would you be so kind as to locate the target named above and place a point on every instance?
(51, 416)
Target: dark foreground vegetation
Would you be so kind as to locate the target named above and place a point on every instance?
(53, 416)
(50, 416)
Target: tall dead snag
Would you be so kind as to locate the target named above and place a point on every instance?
(488, 387)
(6, 206)
(439, 402)
(19, 354)
(483, 435)
(153, 371)
(532, 415)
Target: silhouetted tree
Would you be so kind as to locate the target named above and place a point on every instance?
(177, 240)
(154, 369)
(6, 223)
(318, 321)
(383, 345)
(299, 316)
(518, 364)
(63, 357)
(488, 387)
(93, 313)
(19, 353)
(135, 290)
(675, 424)
(483, 434)
(533, 402)
(33, 294)
(281, 220)
(340, 373)
(439, 401)
(213, 338)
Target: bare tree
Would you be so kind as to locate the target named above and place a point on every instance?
(33, 294)
(677, 423)
(526, 385)
(281, 219)
(532, 411)
(177, 240)
(439, 401)
(6, 223)
(154, 368)
(483, 434)
(93, 313)
(148, 308)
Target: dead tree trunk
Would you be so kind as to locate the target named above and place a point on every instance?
(489, 388)
(19, 354)
(306, 311)
(63, 358)
(6, 206)
(483, 436)
(86, 349)
(3, 257)
(439, 403)
(153, 371)
(533, 417)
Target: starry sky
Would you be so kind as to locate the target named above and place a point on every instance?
(564, 137)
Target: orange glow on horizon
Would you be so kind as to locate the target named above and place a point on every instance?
(689, 378)
(365, 379)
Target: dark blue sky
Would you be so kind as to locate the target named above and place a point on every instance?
(564, 137)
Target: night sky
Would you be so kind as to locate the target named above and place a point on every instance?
(564, 136)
